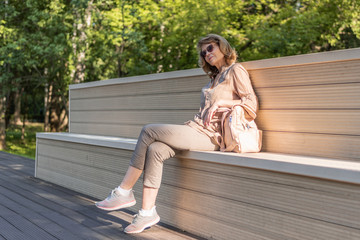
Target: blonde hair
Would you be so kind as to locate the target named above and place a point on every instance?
(224, 46)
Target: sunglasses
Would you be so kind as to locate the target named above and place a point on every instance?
(208, 49)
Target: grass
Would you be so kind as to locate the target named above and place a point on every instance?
(26, 147)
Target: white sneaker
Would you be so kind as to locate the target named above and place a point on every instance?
(116, 201)
(140, 223)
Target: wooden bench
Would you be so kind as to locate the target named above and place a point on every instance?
(305, 184)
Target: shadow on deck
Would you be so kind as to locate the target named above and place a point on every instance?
(34, 209)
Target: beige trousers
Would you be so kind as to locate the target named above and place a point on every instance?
(158, 142)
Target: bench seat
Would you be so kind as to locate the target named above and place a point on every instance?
(326, 168)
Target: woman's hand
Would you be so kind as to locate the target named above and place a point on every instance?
(210, 113)
(215, 107)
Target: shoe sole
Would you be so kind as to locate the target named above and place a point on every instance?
(156, 220)
(125, 205)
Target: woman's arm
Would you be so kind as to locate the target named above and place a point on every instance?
(219, 104)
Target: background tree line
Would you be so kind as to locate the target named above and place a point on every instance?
(45, 45)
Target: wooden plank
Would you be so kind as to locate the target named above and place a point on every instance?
(310, 58)
(180, 101)
(22, 164)
(338, 96)
(86, 173)
(342, 147)
(44, 208)
(124, 123)
(345, 122)
(22, 224)
(37, 218)
(177, 85)
(311, 121)
(116, 130)
(8, 231)
(131, 117)
(87, 147)
(331, 188)
(86, 155)
(141, 78)
(308, 74)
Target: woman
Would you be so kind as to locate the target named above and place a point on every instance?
(230, 85)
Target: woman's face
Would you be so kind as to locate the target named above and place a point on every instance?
(213, 55)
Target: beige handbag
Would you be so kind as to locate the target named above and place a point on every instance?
(238, 134)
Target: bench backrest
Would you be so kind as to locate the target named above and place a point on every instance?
(309, 104)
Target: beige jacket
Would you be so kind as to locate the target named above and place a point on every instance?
(233, 83)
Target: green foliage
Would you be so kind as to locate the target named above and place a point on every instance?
(26, 147)
(132, 37)
(60, 42)
(303, 27)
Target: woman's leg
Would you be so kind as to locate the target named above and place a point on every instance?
(180, 137)
(149, 197)
(156, 144)
(131, 177)
(159, 140)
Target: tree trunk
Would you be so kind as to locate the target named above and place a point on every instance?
(17, 104)
(23, 129)
(2, 123)
(79, 43)
(47, 103)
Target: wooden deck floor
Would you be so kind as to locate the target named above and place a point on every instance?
(34, 209)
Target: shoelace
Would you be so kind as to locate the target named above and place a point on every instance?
(136, 216)
(112, 194)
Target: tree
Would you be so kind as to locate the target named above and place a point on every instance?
(49, 44)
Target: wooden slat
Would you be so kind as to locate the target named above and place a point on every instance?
(339, 96)
(116, 130)
(177, 85)
(9, 231)
(20, 222)
(132, 117)
(345, 122)
(82, 172)
(303, 59)
(81, 154)
(343, 147)
(86, 148)
(181, 101)
(331, 188)
(70, 225)
(308, 74)
(282, 120)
